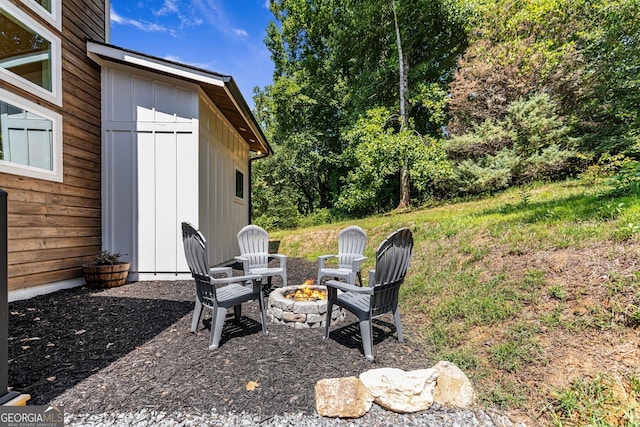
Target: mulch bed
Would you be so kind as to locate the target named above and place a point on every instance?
(128, 348)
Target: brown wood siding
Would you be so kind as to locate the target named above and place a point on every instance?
(55, 227)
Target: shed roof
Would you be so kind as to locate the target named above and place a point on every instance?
(221, 89)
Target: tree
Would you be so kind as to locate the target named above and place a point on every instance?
(305, 102)
(608, 104)
(323, 82)
(379, 151)
(405, 192)
(583, 53)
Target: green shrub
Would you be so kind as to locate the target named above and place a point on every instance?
(319, 217)
(484, 175)
(279, 217)
(487, 138)
(627, 178)
(551, 162)
(531, 144)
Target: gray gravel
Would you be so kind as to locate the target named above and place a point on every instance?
(376, 417)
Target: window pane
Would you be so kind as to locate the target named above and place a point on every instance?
(24, 52)
(45, 3)
(25, 137)
(239, 184)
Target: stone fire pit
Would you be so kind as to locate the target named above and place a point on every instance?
(299, 314)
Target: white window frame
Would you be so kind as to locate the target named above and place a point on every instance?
(56, 122)
(55, 95)
(54, 17)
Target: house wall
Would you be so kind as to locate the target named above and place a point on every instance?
(55, 226)
(222, 152)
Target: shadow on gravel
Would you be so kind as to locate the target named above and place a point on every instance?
(57, 340)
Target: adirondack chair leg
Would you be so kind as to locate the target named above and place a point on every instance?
(396, 319)
(327, 322)
(284, 280)
(237, 311)
(217, 322)
(366, 330)
(197, 312)
(262, 315)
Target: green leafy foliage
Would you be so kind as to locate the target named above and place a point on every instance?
(335, 60)
(502, 92)
(531, 143)
(379, 152)
(107, 258)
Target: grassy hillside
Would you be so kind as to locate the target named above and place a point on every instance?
(534, 293)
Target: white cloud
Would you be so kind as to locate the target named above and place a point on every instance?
(147, 27)
(173, 7)
(240, 32)
(170, 6)
(213, 12)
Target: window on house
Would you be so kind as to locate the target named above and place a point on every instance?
(29, 54)
(30, 139)
(47, 9)
(46, 4)
(239, 184)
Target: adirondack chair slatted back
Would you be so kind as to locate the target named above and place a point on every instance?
(392, 262)
(196, 252)
(351, 243)
(254, 244)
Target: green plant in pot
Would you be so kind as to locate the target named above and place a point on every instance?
(106, 271)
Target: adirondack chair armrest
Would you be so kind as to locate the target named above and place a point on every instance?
(236, 279)
(323, 258)
(281, 258)
(245, 262)
(349, 288)
(357, 261)
(228, 271)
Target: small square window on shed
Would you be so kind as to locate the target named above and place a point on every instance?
(239, 184)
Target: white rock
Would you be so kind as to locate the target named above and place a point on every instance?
(401, 391)
(453, 388)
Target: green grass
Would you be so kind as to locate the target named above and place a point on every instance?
(593, 402)
(465, 280)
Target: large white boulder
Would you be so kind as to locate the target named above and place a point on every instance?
(401, 391)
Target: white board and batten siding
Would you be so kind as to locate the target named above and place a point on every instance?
(222, 152)
(161, 165)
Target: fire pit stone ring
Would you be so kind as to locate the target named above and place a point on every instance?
(284, 310)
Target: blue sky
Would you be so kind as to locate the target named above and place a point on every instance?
(224, 36)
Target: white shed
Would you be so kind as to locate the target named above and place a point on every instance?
(177, 143)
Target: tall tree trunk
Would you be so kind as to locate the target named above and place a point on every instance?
(405, 195)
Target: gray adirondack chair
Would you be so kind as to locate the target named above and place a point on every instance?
(254, 254)
(218, 294)
(381, 295)
(351, 243)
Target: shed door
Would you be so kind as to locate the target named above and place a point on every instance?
(167, 195)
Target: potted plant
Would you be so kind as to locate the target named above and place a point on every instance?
(106, 271)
